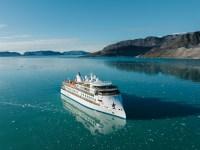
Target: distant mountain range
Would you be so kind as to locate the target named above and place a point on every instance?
(185, 45)
(45, 53)
(75, 53)
(5, 54)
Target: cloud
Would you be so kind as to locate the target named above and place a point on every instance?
(60, 44)
(9, 37)
(177, 33)
(3, 26)
(27, 42)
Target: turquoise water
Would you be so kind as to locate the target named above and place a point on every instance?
(161, 100)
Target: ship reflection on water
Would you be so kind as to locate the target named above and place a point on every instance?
(95, 122)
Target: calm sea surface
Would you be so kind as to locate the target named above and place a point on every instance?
(161, 100)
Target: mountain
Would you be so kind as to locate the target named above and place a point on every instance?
(185, 45)
(54, 53)
(75, 53)
(42, 53)
(45, 53)
(6, 54)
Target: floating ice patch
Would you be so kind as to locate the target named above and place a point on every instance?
(40, 106)
(183, 124)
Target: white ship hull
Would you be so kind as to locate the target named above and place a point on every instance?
(100, 108)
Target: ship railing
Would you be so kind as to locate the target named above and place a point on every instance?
(113, 89)
(107, 82)
(84, 91)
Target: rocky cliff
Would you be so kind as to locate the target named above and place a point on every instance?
(185, 45)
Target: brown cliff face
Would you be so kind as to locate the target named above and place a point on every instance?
(179, 45)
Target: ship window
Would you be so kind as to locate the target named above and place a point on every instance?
(109, 92)
(106, 87)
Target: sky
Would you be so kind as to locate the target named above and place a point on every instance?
(63, 25)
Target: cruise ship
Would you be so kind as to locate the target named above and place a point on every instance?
(95, 94)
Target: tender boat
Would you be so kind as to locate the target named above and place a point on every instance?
(95, 94)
